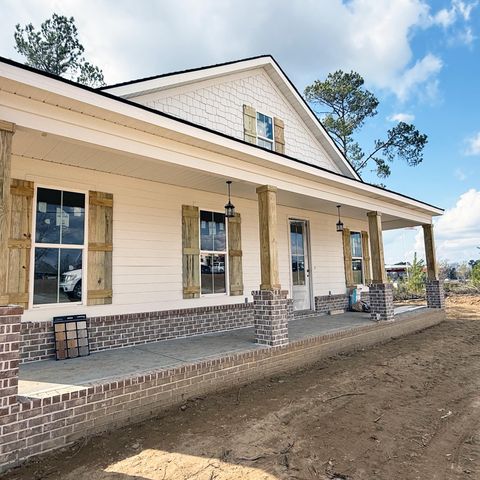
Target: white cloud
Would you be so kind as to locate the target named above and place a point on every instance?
(466, 36)
(402, 117)
(458, 10)
(460, 174)
(422, 72)
(372, 37)
(445, 17)
(473, 145)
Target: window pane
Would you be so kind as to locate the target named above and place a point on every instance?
(218, 272)
(264, 126)
(356, 244)
(45, 284)
(206, 230)
(73, 218)
(264, 144)
(357, 272)
(206, 263)
(49, 216)
(70, 288)
(298, 269)
(219, 244)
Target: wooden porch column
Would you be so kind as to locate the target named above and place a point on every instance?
(272, 308)
(432, 269)
(434, 286)
(381, 292)
(6, 134)
(267, 212)
(376, 247)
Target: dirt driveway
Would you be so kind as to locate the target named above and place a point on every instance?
(409, 409)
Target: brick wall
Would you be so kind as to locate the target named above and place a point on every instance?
(325, 303)
(381, 301)
(115, 331)
(41, 425)
(435, 294)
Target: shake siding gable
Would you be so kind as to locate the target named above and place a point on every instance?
(218, 104)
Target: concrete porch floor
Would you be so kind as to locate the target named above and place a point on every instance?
(51, 377)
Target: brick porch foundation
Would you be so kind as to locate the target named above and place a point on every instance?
(272, 311)
(435, 294)
(381, 301)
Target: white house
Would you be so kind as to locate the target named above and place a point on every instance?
(112, 205)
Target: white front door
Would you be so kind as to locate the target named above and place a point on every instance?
(300, 265)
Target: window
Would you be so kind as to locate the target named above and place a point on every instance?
(264, 131)
(213, 252)
(357, 257)
(59, 246)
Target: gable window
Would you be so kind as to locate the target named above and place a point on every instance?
(357, 257)
(213, 253)
(59, 246)
(265, 136)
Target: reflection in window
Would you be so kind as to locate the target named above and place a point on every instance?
(297, 241)
(357, 257)
(213, 246)
(59, 245)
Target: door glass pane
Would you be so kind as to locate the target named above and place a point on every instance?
(298, 269)
(356, 244)
(357, 272)
(70, 287)
(45, 284)
(73, 218)
(49, 216)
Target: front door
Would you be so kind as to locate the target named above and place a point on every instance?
(300, 265)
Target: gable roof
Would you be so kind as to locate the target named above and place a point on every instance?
(134, 88)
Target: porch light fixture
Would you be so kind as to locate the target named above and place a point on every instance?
(229, 207)
(339, 223)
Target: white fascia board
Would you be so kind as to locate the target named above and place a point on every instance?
(211, 140)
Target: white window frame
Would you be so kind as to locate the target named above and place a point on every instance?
(83, 247)
(214, 252)
(272, 141)
(358, 258)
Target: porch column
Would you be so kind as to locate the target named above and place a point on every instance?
(381, 292)
(272, 308)
(6, 133)
(434, 286)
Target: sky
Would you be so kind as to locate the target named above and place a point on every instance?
(421, 59)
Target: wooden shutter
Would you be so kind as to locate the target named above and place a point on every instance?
(235, 255)
(347, 257)
(19, 242)
(191, 251)
(279, 135)
(367, 277)
(100, 248)
(250, 124)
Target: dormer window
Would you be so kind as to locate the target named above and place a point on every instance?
(265, 136)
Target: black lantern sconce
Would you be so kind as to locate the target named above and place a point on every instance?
(229, 207)
(339, 223)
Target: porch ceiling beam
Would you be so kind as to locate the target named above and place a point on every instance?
(105, 134)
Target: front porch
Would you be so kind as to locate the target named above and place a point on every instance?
(49, 378)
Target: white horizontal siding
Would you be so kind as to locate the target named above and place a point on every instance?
(147, 230)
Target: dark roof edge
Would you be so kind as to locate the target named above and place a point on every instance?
(179, 72)
(200, 127)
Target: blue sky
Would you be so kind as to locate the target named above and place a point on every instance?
(420, 58)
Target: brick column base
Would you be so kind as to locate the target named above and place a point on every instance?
(10, 318)
(271, 311)
(435, 294)
(381, 301)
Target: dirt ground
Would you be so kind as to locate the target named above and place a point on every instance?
(409, 409)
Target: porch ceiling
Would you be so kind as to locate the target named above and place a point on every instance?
(34, 144)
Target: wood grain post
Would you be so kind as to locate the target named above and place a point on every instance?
(267, 211)
(428, 238)
(434, 286)
(376, 247)
(6, 134)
